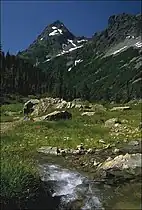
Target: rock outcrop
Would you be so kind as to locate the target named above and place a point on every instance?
(30, 105)
(122, 167)
(56, 115)
(43, 106)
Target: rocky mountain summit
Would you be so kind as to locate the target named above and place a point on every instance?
(120, 27)
(105, 67)
(55, 40)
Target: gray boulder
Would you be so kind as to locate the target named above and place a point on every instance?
(56, 115)
(36, 107)
(29, 106)
(45, 105)
(112, 122)
(124, 167)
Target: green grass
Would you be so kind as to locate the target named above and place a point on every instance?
(19, 146)
(10, 108)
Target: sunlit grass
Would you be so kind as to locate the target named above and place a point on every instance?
(19, 146)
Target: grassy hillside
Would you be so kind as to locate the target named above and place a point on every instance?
(20, 179)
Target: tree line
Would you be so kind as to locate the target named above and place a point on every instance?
(112, 82)
(20, 77)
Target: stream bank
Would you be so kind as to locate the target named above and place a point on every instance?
(81, 188)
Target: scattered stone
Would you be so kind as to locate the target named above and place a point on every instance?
(124, 121)
(133, 143)
(125, 140)
(88, 113)
(62, 104)
(82, 164)
(63, 152)
(107, 146)
(79, 147)
(120, 108)
(117, 125)
(90, 151)
(116, 150)
(102, 141)
(111, 122)
(78, 106)
(100, 165)
(96, 163)
(108, 159)
(58, 151)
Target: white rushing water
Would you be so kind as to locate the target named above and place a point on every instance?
(70, 186)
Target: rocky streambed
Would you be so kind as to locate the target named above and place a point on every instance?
(111, 181)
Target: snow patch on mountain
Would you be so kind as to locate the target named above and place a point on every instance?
(49, 59)
(129, 37)
(138, 44)
(54, 27)
(117, 51)
(137, 80)
(41, 39)
(70, 69)
(82, 40)
(71, 49)
(64, 45)
(62, 53)
(130, 41)
(60, 31)
(77, 61)
(56, 32)
(71, 41)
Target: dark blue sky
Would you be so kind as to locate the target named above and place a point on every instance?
(23, 21)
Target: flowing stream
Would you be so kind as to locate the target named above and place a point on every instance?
(71, 186)
(78, 192)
